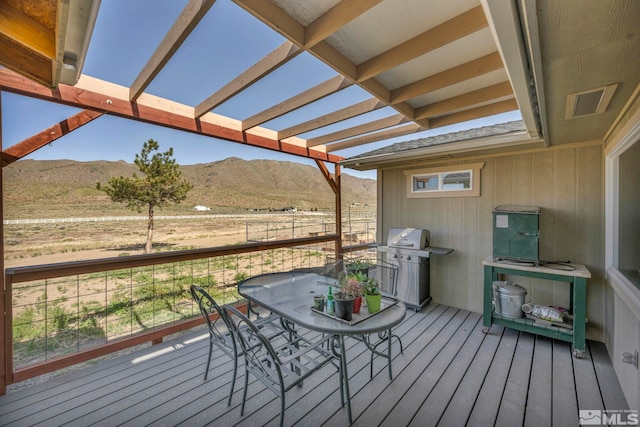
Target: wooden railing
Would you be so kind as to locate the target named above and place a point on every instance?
(65, 296)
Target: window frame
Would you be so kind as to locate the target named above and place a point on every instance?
(626, 289)
(474, 181)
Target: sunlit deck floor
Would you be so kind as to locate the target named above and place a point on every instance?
(450, 374)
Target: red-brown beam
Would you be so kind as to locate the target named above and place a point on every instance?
(31, 144)
(83, 98)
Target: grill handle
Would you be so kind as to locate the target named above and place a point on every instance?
(406, 245)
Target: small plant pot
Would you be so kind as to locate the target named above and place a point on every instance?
(373, 302)
(357, 303)
(344, 306)
(318, 302)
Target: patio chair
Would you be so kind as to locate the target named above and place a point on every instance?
(271, 327)
(279, 368)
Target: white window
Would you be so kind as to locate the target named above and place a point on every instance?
(445, 181)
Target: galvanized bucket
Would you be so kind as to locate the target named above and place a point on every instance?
(508, 299)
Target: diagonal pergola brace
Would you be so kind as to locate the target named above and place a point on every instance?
(39, 140)
(327, 175)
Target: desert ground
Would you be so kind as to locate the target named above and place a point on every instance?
(45, 243)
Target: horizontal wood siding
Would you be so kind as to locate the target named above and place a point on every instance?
(568, 184)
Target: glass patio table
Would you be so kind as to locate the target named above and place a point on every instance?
(290, 295)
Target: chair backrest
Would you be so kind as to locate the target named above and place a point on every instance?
(208, 306)
(261, 359)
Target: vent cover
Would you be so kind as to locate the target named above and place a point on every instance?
(593, 101)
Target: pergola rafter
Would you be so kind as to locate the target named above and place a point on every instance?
(386, 122)
(434, 38)
(189, 18)
(354, 110)
(280, 56)
(317, 92)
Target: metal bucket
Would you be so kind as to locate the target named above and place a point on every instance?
(508, 299)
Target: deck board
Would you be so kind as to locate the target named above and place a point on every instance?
(538, 410)
(564, 390)
(514, 397)
(450, 373)
(462, 402)
(485, 410)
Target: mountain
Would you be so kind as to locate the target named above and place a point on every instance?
(62, 188)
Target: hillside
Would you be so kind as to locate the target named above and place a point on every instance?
(62, 188)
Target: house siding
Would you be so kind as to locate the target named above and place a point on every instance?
(567, 183)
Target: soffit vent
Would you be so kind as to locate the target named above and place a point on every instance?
(589, 102)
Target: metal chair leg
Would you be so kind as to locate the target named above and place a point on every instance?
(244, 392)
(282, 405)
(206, 372)
(233, 380)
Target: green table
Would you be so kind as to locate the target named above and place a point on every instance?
(576, 275)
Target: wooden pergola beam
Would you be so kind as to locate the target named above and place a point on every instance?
(377, 136)
(475, 113)
(188, 19)
(102, 96)
(465, 100)
(31, 144)
(317, 92)
(384, 123)
(460, 73)
(441, 35)
(334, 117)
(278, 57)
(336, 18)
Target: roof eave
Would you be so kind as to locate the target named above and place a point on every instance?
(442, 150)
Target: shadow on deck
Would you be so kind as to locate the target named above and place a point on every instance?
(450, 374)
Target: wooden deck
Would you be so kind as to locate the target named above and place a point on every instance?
(450, 374)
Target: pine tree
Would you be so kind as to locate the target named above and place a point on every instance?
(160, 185)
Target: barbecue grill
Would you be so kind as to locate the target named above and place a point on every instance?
(409, 249)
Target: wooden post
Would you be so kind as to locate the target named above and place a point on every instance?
(338, 210)
(4, 323)
(334, 183)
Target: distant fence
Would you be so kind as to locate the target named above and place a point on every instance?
(160, 217)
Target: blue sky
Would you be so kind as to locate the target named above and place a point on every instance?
(226, 42)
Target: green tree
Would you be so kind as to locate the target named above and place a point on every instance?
(160, 185)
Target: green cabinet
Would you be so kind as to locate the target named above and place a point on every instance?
(516, 233)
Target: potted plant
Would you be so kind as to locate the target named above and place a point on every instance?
(318, 302)
(358, 266)
(372, 294)
(352, 284)
(345, 297)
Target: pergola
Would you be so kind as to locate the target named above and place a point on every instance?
(444, 64)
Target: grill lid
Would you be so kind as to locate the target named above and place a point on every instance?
(409, 238)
